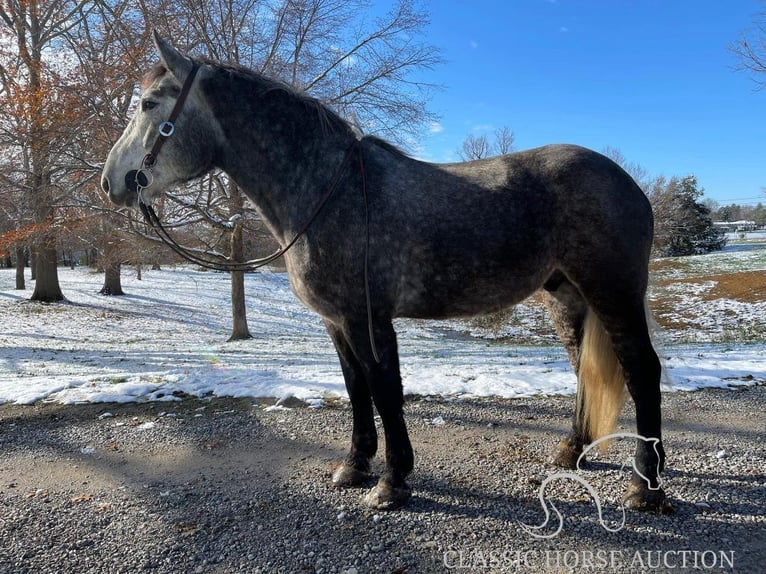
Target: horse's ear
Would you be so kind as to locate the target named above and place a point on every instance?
(175, 62)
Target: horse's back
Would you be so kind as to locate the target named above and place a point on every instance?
(469, 237)
(564, 173)
(577, 197)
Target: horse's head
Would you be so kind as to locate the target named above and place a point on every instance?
(190, 142)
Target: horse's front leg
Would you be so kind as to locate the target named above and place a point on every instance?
(355, 469)
(384, 385)
(392, 491)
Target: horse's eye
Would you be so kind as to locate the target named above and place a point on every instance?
(147, 105)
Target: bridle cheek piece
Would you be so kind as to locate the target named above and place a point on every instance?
(144, 177)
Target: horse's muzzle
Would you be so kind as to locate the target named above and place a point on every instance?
(125, 196)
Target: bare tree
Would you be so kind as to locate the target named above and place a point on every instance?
(638, 172)
(16, 228)
(475, 147)
(751, 49)
(110, 48)
(364, 68)
(504, 139)
(479, 147)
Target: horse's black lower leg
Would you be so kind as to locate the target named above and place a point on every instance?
(568, 309)
(642, 371)
(385, 381)
(384, 387)
(355, 469)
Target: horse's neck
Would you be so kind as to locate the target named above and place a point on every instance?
(282, 156)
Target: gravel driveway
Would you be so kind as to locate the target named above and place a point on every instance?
(229, 486)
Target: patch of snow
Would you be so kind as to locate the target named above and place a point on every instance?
(167, 339)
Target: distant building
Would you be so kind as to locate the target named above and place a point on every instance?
(735, 226)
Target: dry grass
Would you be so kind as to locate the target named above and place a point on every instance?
(680, 309)
(744, 286)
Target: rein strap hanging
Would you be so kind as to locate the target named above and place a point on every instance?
(154, 221)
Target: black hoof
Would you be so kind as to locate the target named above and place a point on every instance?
(383, 496)
(346, 476)
(641, 497)
(566, 456)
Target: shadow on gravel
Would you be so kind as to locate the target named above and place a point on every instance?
(224, 489)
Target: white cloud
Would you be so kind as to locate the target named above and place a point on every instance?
(474, 44)
(435, 128)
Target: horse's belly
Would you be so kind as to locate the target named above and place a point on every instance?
(445, 297)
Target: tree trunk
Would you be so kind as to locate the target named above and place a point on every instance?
(239, 329)
(47, 288)
(33, 263)
(112, 279)
(20, 284)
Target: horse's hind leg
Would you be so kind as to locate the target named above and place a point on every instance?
(641, 368)
(610, 349)
(568, 310)
(355, 469)
(622, 322)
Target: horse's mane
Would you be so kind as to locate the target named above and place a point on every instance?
(386, 145)
(327, 116)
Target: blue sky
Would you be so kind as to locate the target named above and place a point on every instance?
(652, 78)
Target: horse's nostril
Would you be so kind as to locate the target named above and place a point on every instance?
(105, 184)
(130, 180)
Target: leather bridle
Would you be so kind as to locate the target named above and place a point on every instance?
(166, 129)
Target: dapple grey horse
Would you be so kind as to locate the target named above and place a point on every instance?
(375, 235)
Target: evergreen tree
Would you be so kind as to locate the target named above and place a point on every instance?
(683, 225)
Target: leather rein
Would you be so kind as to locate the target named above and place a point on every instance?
(144, 178)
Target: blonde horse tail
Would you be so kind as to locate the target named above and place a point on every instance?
(601, 390)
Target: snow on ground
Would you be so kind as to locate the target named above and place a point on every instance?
(167, 337)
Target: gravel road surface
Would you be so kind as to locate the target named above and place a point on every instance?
(229, 486)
